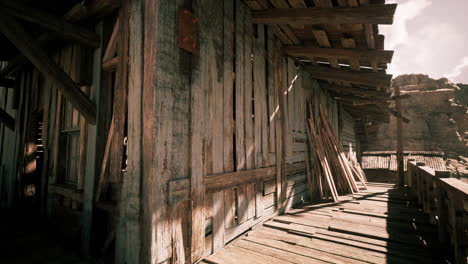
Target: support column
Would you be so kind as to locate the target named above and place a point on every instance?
(91, 168)
(400, 158)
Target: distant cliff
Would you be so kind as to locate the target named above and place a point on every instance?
(438, 113)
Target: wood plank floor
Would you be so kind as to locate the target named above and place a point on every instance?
(378, 225)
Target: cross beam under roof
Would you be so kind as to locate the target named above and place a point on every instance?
(382, 56)
(58, 25)
(371, 14)
(376, 79)
(38, 57)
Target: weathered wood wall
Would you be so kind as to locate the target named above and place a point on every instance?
(347, 131)
(216, 138)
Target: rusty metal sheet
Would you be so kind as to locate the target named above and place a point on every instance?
(188, 31)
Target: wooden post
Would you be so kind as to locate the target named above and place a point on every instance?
(400, 159)
(409, 172)
(91, 164)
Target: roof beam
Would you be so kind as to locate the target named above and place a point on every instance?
(91, 10)
(356, 91)
(26, 45)
(77, 13)
(384, 56)
(7, 119)
(357, 77)
(58, 25)
(372, 14)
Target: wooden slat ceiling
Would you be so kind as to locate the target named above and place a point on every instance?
(338, 41)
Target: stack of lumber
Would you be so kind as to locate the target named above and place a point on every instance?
(352, 157)
(332, 173)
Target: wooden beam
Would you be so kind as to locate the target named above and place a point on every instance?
(111, 49)
(361, 77)
(322, 40)
(395, 113)
(99, 8)
(26, 44)
(7, 119)
(400, 159)
(384, 56)
(372, 14)
(232, 179)
(8, 83)
(57, 25)
(110, 65)
(95, 8)
(356, 91)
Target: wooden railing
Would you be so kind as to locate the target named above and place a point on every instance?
(445, 200)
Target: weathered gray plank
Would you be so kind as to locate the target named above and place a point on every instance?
(228, 85)
(272, 103)
(239, 88)
(248, 91)
(128, 231)
(196, 155)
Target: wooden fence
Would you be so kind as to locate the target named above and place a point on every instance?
(445, 200)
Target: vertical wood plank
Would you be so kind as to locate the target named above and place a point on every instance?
(178, 251)
(228, 83)
(218, 221)
(258, 199)
(151, 13)
(166, 79)
(133, 231)
(297, 103)
(215, 72)
(50, 144)
(258, 77)
(272, 103)
(242, 204)
(248, 90)
(92, 142)
(239, 86)
(229, 208)
(264, 99)
(228, 96)
(250, 195)
(197, 190)
(120, 101)
(291, 91)
(82, 147)
(45, 142)
(280, 89)
(181, 221)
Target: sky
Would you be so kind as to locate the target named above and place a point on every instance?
(429, 37)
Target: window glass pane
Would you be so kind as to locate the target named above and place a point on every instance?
(72, 157)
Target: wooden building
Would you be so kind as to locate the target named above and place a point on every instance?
(172, 127)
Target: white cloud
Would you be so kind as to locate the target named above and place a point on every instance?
(397, 34)
(427, 37)
(458, 69)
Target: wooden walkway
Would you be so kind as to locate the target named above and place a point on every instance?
(378, 225)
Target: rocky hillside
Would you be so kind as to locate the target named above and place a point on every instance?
(438, 113)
